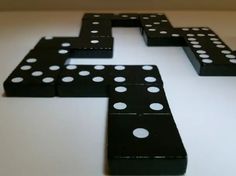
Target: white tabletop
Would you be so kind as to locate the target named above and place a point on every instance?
(66, 136)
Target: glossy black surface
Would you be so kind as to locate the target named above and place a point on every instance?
(98, 79)
(160, 153)
(138, 100)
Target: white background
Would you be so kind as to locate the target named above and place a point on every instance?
(66, 136)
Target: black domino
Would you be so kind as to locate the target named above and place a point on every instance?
(96, 28)
(93, 47)
(126, 20)
(158, 31)
(94, 80)
(104, 16)
(145, 145)
(37, 74)
(142, 135)
(84, 81)
(208, 53)
(138, 99)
